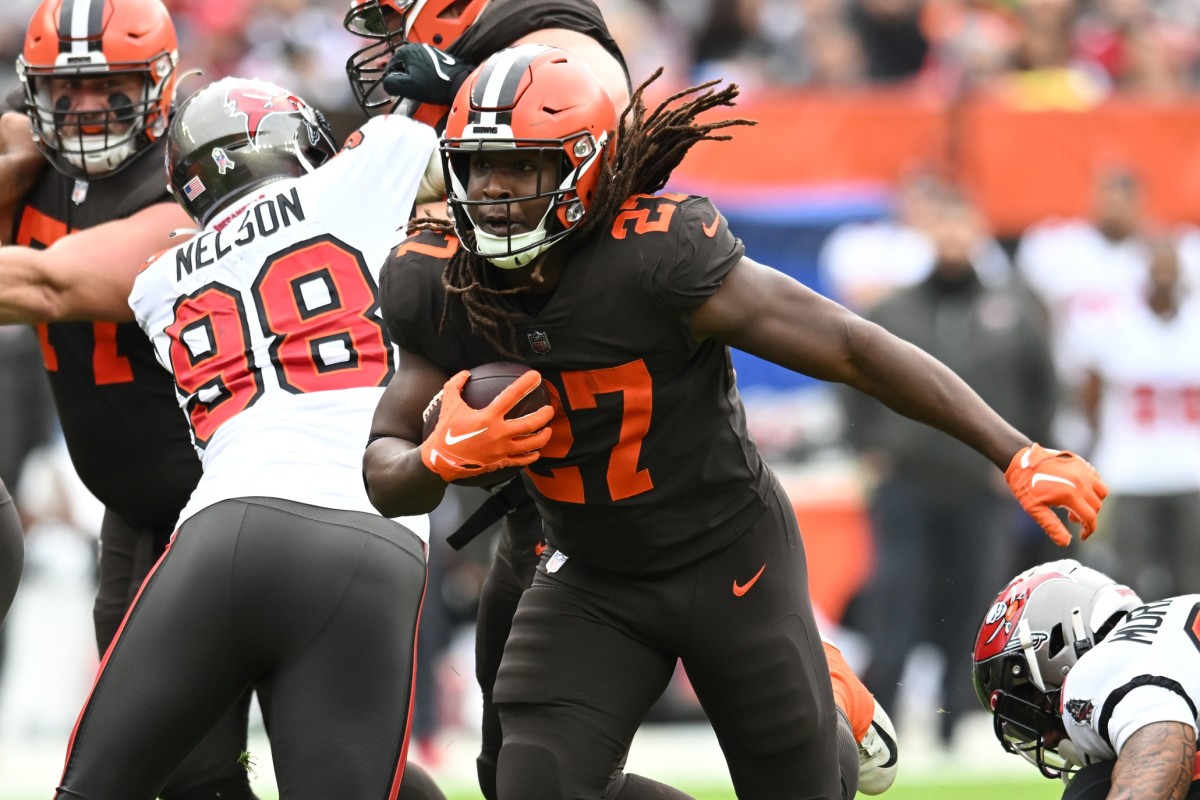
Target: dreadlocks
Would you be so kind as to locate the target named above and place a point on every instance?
(647, 150)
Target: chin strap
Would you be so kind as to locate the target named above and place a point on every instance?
(1073, 759)
(1082, 642)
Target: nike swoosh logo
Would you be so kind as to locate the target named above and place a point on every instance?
(1025, 456)
(738, 591)
(1041, 476)
(710, 230)
(435, 56)
(452, 439)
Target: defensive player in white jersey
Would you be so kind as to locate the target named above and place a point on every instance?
(268, 321)
(1092, 684)
(1141, 396)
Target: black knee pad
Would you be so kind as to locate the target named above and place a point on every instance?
(847, 751)
(529, 772)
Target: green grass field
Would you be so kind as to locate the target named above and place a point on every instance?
(989, 789)
(997, 788)
(993, 789)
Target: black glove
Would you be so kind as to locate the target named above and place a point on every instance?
(425, 74)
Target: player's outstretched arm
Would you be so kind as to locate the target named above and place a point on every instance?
(86, 275)
(1156, 763)
(766, 313)
(398, 483)
(20, 164)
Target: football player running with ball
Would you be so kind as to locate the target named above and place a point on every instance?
(654, 497)
(430, 47)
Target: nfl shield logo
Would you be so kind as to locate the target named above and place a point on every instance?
(539, 342)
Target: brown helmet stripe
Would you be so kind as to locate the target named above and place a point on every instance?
(495, 92)
(79, 26)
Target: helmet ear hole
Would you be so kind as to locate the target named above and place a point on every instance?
(1057, 640)
(1108, 625)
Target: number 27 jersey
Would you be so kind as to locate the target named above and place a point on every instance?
(269, 323)
(650, 466)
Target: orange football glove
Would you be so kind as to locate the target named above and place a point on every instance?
(1041, 478)
(467, 441)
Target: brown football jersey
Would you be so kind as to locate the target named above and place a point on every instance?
(127, 438)
(650, 466)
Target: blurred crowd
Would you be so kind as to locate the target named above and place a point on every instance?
(1082, 331)
(1061, 53)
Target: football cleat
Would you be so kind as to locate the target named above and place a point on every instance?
(877, 755)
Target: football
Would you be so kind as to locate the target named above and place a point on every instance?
(486, 382)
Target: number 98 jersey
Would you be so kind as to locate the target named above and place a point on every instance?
(269, 323)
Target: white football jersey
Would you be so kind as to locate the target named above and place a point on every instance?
(1149, 426)
(269, 322)
(1146, 670)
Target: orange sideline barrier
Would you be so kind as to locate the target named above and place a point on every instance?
(840, 552)
(1021, 166)
(838, 545)
(805, 138)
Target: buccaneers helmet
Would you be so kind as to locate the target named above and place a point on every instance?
(390, 23)
(237, 134)
(544, 101)
(1033, 634)
(78, 48)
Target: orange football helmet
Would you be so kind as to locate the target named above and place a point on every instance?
(440, 22)
(541, 99)
(390, 23)
(76, 67)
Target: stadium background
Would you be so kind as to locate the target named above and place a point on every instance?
(852, 97)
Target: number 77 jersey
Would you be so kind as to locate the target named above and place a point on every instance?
(269, 323)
